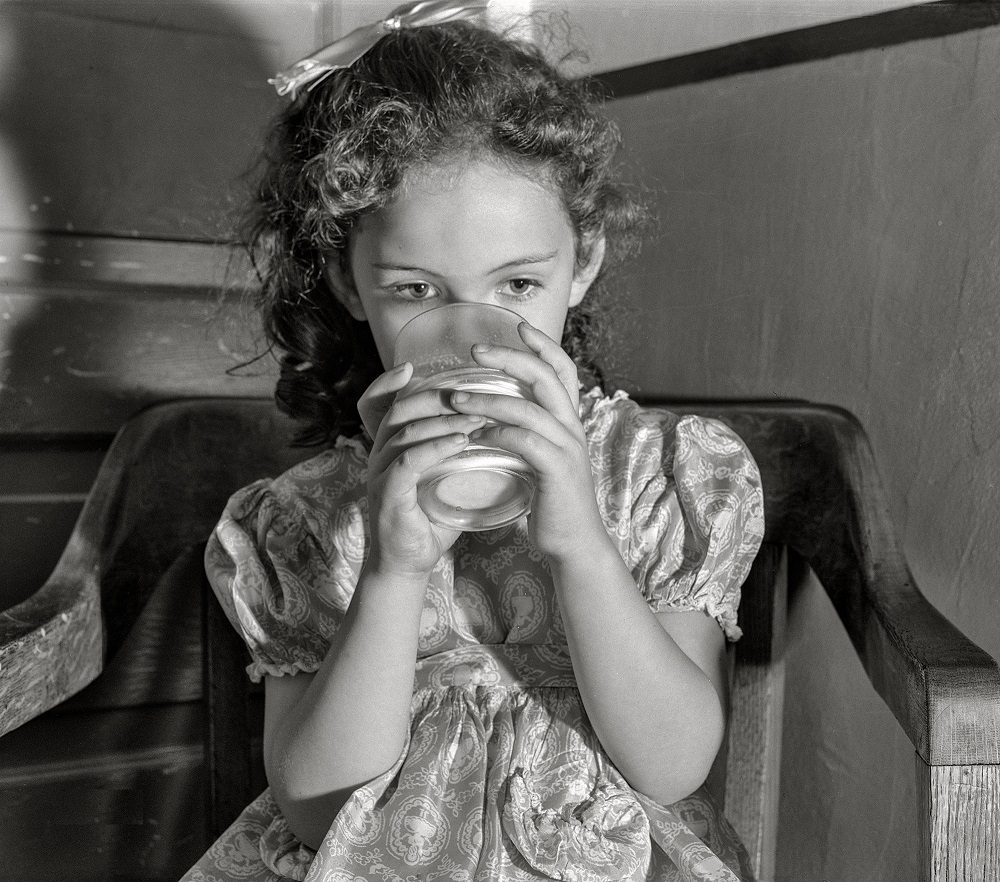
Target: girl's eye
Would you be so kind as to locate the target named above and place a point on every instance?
(416, 290)
(520, 287)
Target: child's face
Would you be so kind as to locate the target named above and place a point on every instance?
(470, 232)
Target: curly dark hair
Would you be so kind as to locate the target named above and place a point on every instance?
(341, 150)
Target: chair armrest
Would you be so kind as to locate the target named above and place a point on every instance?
(160, 489)
(51, 645)
(54, 643)
(823, 498)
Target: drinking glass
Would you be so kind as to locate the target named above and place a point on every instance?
(483, 487)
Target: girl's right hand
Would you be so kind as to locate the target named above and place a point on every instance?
(410, 434)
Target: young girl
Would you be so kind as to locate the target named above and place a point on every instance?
(538, 701)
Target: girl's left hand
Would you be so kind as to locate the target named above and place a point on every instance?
(547, 433)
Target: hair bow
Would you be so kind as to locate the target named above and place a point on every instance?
(344, 52)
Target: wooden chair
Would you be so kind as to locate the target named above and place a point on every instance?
(171, 468)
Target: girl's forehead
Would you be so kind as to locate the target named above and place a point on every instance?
(463, 177)
(477, 205)
(452, 166)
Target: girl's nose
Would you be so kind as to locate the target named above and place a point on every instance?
(465, 295)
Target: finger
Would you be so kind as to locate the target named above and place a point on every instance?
(546, 386)
(518, 412)
(404, 472)
(376, 400)
(420, 431)
(541, 452)
(549, 351)
(406, 409)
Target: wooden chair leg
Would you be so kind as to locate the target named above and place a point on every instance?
(754, 751)
(958, 810)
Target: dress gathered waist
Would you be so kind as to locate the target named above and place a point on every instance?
(503, 665)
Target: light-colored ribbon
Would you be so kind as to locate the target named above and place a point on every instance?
(344, 52)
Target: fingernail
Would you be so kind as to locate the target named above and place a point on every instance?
(482, 347)
(459, 397)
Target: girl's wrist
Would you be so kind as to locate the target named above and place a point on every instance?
(382, 574)
(589, 546)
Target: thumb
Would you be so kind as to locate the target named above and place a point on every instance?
(376, 400)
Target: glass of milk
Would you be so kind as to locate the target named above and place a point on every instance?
(482, 487)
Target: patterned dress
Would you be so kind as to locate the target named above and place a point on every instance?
(502, 777)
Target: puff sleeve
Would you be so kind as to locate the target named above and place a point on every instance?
(285, 556)
(687, 509)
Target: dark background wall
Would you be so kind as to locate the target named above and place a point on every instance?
(828, 230)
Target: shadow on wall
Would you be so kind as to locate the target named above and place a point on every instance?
(120, 124)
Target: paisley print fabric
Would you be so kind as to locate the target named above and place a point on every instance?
(502, 777)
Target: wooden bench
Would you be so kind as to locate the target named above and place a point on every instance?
(171, 468)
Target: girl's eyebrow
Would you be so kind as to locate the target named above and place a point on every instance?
(398, 267)
(526, 260)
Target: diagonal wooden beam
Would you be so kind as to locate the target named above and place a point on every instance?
(908, 24)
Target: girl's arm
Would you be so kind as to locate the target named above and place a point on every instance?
(653, 686)
(327, 733)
